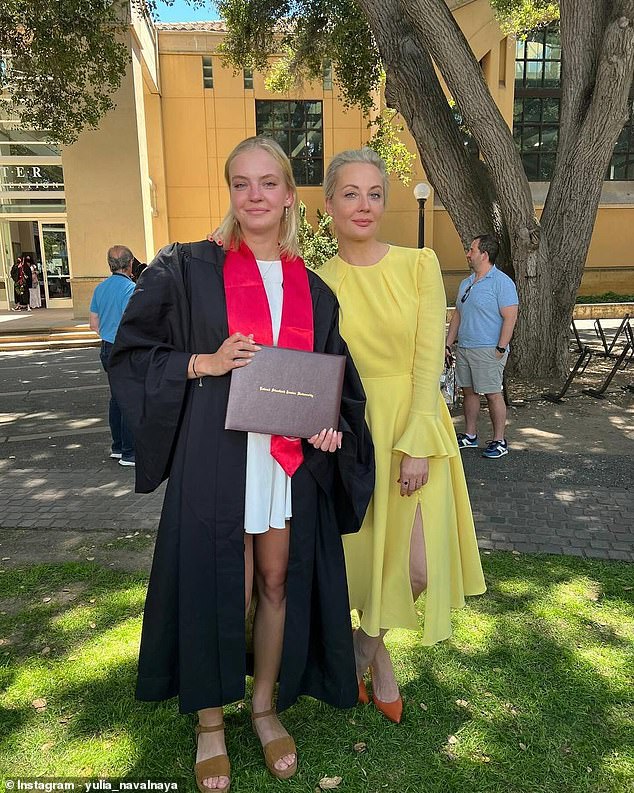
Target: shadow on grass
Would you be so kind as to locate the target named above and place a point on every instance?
(530, 694)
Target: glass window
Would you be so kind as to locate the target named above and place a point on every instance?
(208, 72)
(297, 126)
(530, 138)
(536, 109)
(550, 106)
(623, 143)
(552, 50)
(552, 72)
(519, 72)
(622, 163)
(327, 74)
(248, 79)
(546, 167)
(531, 166)
(532, 110)
(31, 177)
(29, 206)
(534, 49)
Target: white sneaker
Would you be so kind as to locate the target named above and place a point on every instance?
(127, 462)
(115, 455)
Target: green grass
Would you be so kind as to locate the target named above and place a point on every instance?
(533, 693)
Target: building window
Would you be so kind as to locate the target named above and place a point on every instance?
(248, 79)
(298, 127)
(208, 72)
(537, 97)
(536, 109)
(622, 163)
(327, 74)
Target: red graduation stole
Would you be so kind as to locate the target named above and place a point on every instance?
(248, 312)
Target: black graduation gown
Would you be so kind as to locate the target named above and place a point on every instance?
(193, 640)
(21, 293)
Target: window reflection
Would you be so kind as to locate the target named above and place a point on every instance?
(297, 126)
(536, 110)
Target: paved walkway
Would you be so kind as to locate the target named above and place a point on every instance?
(566, 488)
(66, 512)
(38, 320)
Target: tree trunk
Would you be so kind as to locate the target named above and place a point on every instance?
(597, 74)
(446, 43)
(413, 88)
(416, 37)
(592, 116)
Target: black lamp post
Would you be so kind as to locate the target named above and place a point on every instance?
(421, 194)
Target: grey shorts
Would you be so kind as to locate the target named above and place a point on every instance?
(479, 368)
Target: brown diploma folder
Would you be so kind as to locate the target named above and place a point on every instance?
(286, 392)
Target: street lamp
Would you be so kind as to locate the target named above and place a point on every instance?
(421, 194)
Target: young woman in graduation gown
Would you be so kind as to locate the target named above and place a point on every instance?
(241, 509)
(418, 534)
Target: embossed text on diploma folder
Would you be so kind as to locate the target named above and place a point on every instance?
(286, 392)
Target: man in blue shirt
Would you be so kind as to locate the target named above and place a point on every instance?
(483, 323)
(108, 303)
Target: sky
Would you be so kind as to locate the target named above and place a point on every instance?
(180, 11)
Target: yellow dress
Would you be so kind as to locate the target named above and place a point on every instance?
(392, 316)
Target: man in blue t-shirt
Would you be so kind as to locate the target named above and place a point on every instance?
(483, 323)
(108, 303)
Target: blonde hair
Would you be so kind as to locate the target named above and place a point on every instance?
(366, 156)
(229, 230)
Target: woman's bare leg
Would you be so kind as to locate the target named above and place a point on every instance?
(211, 744)
(271, 563)
(248, 572)
(384, 685)
(417, 557)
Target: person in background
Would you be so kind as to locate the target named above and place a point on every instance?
(137, 269)
(483, 323)
(22, 280)
(418, 534)
(108, 303)
(246, 516)
(35, 299)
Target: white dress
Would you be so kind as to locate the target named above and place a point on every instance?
(35, 301)
(267, 501)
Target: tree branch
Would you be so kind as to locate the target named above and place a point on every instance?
(461, 182)
(442, 37)
(581, 45)
(575, 191)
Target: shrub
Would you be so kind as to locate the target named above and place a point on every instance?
(317, 245)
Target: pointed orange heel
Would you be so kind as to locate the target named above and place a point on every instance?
(391, 710)
(364, 699)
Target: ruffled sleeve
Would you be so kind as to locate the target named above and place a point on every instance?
(425, 435)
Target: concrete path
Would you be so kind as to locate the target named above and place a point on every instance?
(564, 488)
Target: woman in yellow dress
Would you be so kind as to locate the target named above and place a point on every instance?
(418, 534)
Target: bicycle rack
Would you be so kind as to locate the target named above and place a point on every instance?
(580, 365)
(628, 350)
(578, 341)
(608, 347)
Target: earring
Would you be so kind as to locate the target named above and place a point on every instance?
(285, 213)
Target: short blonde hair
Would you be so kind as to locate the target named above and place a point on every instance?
(230, 231)
(366, 156)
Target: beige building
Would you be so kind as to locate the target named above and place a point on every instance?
(153, 171)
